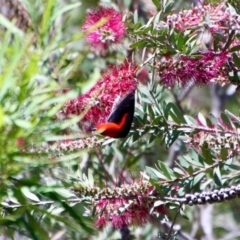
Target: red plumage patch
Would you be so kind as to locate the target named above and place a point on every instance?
(120, 120)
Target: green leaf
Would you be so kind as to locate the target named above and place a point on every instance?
(135, 17)
(226, 120)
(90, 178)
(202, 119)
(183, 162)
(156, 175)
(236, 59)
(65, 9)
(234, 166)
(213, 119)
(7, 80)
(138, 44)
(209, 123)
(80, 219)
(190, 170)
(223, 153)
(158, 120)
(166, 170)
(168, 7)
(171, 137)
(46, 18)
(157, 4)
(183, 214)
(175, 113)
(198, 178)
(23, 123)
(180, 41)
(217, 176)
(35, 228)
(207, 154)
(10, 26)
(235, 49)
(68, 222)
(27, 193)
(178, 172)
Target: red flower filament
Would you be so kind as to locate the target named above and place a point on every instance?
(112, 31)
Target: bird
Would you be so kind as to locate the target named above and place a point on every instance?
(120, 119)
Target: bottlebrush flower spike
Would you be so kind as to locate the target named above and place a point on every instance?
(122, 212)
(213, 17)
(111, 32)
(122, 206)
(209, 67)
(99, 101)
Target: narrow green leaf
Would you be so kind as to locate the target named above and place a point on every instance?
(135, 17)
(176, 114)
(183, 214)
(66, 221)
(47, 15)
(10, 26)
(166, 170)
(235, 48)
(183, 162)
(65, 9)
(217, 176)
(226, 120)
(171, 137)
(190, 170)
(138, 44)
(157, 4)
(236, 59)
(156, 175)
(223, 153)
(35, 228)
(198, 178)
(27, 193)
(202, 119)
(207, 154)
(23, 123)
(178, 172)
(180, 41)
(86, 226)
(168, 7)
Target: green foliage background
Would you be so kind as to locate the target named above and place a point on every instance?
(36, 200)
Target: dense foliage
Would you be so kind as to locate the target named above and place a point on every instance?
(66, 65)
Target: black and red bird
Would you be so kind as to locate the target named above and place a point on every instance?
(120, 119)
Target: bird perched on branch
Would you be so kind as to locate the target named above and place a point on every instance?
(120, 119)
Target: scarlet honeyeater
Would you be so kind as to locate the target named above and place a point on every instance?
(99, 103)
(120, 119)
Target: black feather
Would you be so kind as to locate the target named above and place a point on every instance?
(126, 105)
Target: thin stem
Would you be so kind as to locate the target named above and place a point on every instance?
(195, 173)
(229, 41)
(174, 220)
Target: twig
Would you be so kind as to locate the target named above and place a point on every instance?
(228, 43)
(174, 220)
(195, 173)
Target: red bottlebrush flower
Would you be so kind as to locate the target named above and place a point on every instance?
(98, 103)
(210, 67)
(118, 221)
(111, 32)
(137, 209)
(143, 75)
(215, 18)
(101, 222)
(122, 211)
